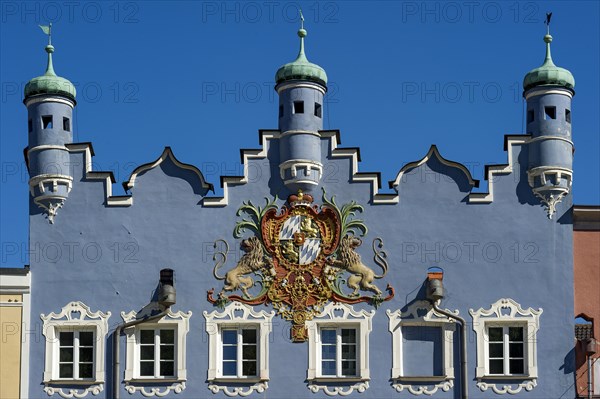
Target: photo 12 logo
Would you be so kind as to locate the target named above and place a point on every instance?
(126, 12)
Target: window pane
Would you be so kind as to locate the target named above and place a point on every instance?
(516, 350)
(86, 338)
(65, 371)
(167, 336)
(328, 367)
(515, 333)
(85, 370)
(249, 336)
(348, 335)
(167, 369)
(495, 334)
(66, 339)
(328, 352)
(349, 352)
(497, 350)
(147, 368)
(328, 336)
(229, 368)
(167, 352)
(348, 368)
(147, 352)
(516, 366)
(86, 355)
(147, 336)
(66, 354)
(230, 353)
(229, 336)
(249, 352)
(496, 366)
(249, 368)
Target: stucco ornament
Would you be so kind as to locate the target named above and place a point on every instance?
(301, 255)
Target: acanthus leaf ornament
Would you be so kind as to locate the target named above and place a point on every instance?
(301, 255)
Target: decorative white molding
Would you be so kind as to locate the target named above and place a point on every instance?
(180, 321)
(176, 387)
(433, 152)
(502, 389)
(74, 393)
(340, 390)
(494, 170)
(49, 99)
(295, 164)
(411, 317)
(166, 154)
(74, 316)
(550, 192)
(296, 83)
(506, 312)
(339, 315)
(107, 177)
(239, 315)
(424, 389)
(539, 91)
(259, 387)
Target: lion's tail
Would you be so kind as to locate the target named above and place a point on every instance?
(380, 256)
(220, 258)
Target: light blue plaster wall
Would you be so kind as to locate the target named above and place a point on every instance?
(167, 226)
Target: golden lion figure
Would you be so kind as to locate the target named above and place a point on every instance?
(289, 251)
(253, 260)
(348, 259)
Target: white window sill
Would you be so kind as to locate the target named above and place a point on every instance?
(426, 378)
(73, 382)
(338, 379)
(167, 380)
(506, 377)
(241, 380)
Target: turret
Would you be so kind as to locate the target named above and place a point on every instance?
(50, 100)
(301, 86)
(548, 91)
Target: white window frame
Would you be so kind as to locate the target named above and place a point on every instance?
(418, 385)
(239, 316)
(76, 347)
(74, 317)
(156, 344)
(239, 348)
(338, 344)
(339, 315)
(178, 321)
(506, 312)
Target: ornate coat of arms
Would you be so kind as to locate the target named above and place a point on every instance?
(301, 257)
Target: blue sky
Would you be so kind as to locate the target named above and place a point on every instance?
(198, 76)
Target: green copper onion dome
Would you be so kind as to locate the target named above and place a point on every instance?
(548, 73)
(301, 68)
(49, 83)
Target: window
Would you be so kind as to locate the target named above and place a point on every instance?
(505, 350)
(238, 357)
(298, 107)
(506, 346)
(75, 339)
(281, 110)
(66, 124)
(239, 352)
(75, 354)
(338, 349)
(156, 353)
(47, 122)
(422, 349)
(568, 115)
(338, 352)
(318, 110)
(530, 116)
(550, 112)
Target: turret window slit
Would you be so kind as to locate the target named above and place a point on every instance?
(298, 107)
(47, 122)
(550, 112)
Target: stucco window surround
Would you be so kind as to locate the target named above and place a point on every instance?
(236, 318)
(339, 317)
(501, 317)
(422, 314)
(75, 320)
(138, 336)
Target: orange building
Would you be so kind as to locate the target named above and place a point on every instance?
(586, 252)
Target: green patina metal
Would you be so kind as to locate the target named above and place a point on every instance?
(548, 73)
(301, 68)
(49, 82)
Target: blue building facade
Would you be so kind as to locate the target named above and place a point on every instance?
(296, 285)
